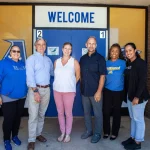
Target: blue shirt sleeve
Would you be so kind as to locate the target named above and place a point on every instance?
(30, 73)
(124, 65)
(51, 68)
(1, 71)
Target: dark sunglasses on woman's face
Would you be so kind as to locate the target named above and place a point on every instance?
(14, 51)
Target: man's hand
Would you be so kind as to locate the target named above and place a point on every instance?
(135, 101)
(37, 97)
(1, 102)
(97, 96)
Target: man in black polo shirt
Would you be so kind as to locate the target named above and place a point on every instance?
(93, 70)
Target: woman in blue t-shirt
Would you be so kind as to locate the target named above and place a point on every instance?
(13, 90)
(113, 91)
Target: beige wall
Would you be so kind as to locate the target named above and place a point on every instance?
(130, 23)
(15, 23)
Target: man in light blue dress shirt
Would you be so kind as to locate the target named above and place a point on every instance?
(39, 68)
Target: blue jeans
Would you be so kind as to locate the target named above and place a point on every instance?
(136, 113)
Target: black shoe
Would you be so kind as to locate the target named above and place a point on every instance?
(128, 141)
(105, 136)
(132, 146)
(86, 134)
(113, 138)
(95, 138)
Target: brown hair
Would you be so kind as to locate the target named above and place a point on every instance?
(67, 43)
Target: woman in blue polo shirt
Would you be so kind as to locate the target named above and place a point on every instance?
(113, 91)
(13, 91)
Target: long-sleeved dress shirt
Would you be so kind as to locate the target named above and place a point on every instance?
(39, 68)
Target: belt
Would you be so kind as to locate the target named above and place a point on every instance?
(43, 86)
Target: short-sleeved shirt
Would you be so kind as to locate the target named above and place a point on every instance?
(92, 67)
(115, 75)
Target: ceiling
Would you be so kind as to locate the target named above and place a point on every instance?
(113, 2)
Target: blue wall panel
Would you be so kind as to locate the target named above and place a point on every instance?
(78, 37)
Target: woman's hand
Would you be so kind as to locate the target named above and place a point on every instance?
(1, 102)
(135, 101)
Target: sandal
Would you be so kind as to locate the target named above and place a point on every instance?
(61, 138)
(67, 139)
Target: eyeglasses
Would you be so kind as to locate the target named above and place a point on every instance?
(14, 51)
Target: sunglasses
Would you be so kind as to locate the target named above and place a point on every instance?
(14, 51)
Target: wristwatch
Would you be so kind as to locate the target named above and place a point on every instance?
(36, 90)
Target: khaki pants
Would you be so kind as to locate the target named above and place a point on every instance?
(37, 112)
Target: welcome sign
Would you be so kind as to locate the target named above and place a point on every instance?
(70, 16)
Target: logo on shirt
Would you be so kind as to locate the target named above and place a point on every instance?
(111, 69)
(129, 67)
(52, 50)
(19, 68)
(21, 45)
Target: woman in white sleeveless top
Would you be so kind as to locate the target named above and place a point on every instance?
(66, 75)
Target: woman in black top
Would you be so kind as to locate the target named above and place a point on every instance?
(137, 96)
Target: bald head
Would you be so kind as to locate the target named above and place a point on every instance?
(91, 44)
(91, 38)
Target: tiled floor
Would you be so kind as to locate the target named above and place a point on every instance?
(51, 132)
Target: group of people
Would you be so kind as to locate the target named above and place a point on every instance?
(104, 85)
